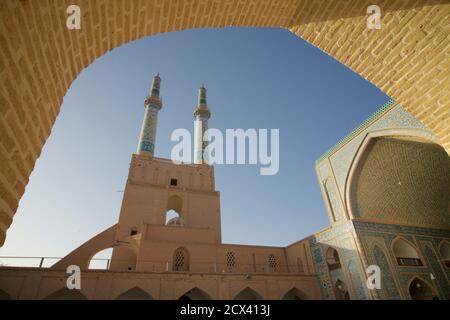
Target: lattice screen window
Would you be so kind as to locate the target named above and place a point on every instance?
(181, 260)
(231, 260)
(273, 263)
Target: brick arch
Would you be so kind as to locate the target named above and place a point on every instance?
(40, 57)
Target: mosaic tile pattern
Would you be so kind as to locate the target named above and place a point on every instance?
(388, 288)
(390, 116)
(372, 235)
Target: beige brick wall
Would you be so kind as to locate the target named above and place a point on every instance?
(40, 57)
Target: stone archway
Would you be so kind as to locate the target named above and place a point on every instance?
(194, 294)
(40, 57)
(421, 290)
(134, 293)
(248, 294)
(66, 294)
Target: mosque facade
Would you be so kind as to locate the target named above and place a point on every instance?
(386, 190)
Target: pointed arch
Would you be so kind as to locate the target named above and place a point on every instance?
(66, 294)
(4, 295)
(174, 202)
(173, 215)
(294, 294)
(195, 294)
(248, 294)
(135, 293)
(405, 252)
(173, 218)
(333, 259)
(420, 289)
(418, 134)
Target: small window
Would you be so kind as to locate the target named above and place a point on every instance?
(173, 182)
(406, 254)
(231, 260)
(181, 260)
(133, 231)
(273, 263)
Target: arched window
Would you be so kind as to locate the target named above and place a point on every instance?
(444, 251)
(273, 262)
(133, 231)
(420, 290)
(231, 260)
(173, 213)
(173, 218)
(405, 253)
(332, 257)
(181, 260)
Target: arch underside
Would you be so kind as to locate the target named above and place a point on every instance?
(40, 57)
(403, 180)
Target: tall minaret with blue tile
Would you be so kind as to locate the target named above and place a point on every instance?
(152, 105)
(201, 116)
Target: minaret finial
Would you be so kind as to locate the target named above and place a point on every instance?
(201, 116)
(156, 86)
(152, 106)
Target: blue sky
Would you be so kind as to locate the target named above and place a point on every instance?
(256, 78)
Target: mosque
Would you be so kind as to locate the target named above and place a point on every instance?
(386, 189)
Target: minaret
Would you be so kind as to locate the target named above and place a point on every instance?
(152, 105)
(201, 116)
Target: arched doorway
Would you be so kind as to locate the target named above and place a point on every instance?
(195, 294)
(294, 294)
(135, 293)
(341, 291)
(248, 294)
(420, 290)
(66, 294)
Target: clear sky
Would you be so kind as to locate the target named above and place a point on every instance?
(256, 78)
